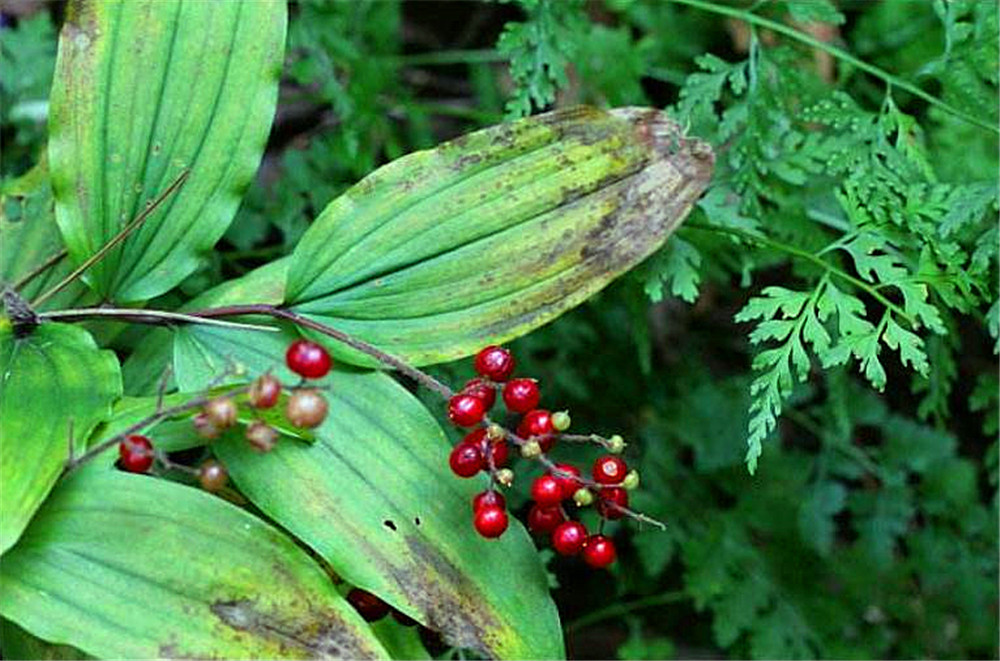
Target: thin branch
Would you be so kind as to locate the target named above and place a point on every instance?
(840, 54)
(38, 270)
(162, 414)
(141, 316)
(382, 357)
(116, 239)
(617, 610)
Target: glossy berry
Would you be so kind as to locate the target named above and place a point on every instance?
(544, 519)
(495, 363)
(220, 412)
(264, 392)
(481, 389)
(488, 498)
(501, 453)
(308, 359)
(370, 607)
(599, 551)
(213, 476)
(466, 410)
(568, 538)
(204, 427)
(568, 484)
(466, 459)
(521, 395)
(546, 491)
(608, 498)
(306, 408)
(136, 453)
(537, 424)
(490, 521)
(261, 435)
(499, 449)
(609, 469)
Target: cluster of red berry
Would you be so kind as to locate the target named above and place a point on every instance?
(486, 449)
(306, 408)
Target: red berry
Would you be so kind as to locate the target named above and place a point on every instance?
(481, 389)
(466, 410)
(544, 519)
(568, 538)
(537, 424)
(499, 449)
(495, 363)
(264, 392)
(598, 551)
(607, 498)
(466, 459)
(308, 359)
(521, 395)
(546, 491)
(136, 453)
(490, 521)
(609, 469)
(368, 605)
(501, 452)
(568, 484)
(488, 499)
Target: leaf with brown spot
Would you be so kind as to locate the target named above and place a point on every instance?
(129, 566)
(486, 237)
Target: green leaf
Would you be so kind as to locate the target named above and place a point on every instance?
(53, 382)
(496, 233)
(128, 566)
(822, 11)
(374, 497)
(145, 90)
(29, 237)
(17, 643)
(816, 513)
(677, 263)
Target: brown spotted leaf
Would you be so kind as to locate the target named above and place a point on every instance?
(491, 235)
(126, 566)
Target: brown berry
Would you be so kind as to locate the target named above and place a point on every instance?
(261, 435)
(306, 408)
(213, 476)
(264, 392)
(221, 412)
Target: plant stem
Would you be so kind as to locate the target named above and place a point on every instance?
(115, 240)
(617, 610)
(146, 316)
(840, 54)
(41, 268)
(809, 257)
(484, 56)
(423, 378)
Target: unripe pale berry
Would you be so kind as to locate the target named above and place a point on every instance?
(568, 538)
(505, 477)
(466, 410)
(616, 444)
(480, 388)
(490, 521)
(306, 409)
(264, 392)
(561, 420)
(609, 469)
(546, 491)
(599, 551)
(521, 395)
(221, 412)
(261, 435)
(495, 363)
(607, 500)
(631, 480)
(583, 497)
(466, 459)
(212, 476)
(531, 449)
(544, 519)
(494, 498)
(495, 432)
(369, 606)
(136, 452)
(308, 359)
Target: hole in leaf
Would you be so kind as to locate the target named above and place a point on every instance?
(389, 524)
